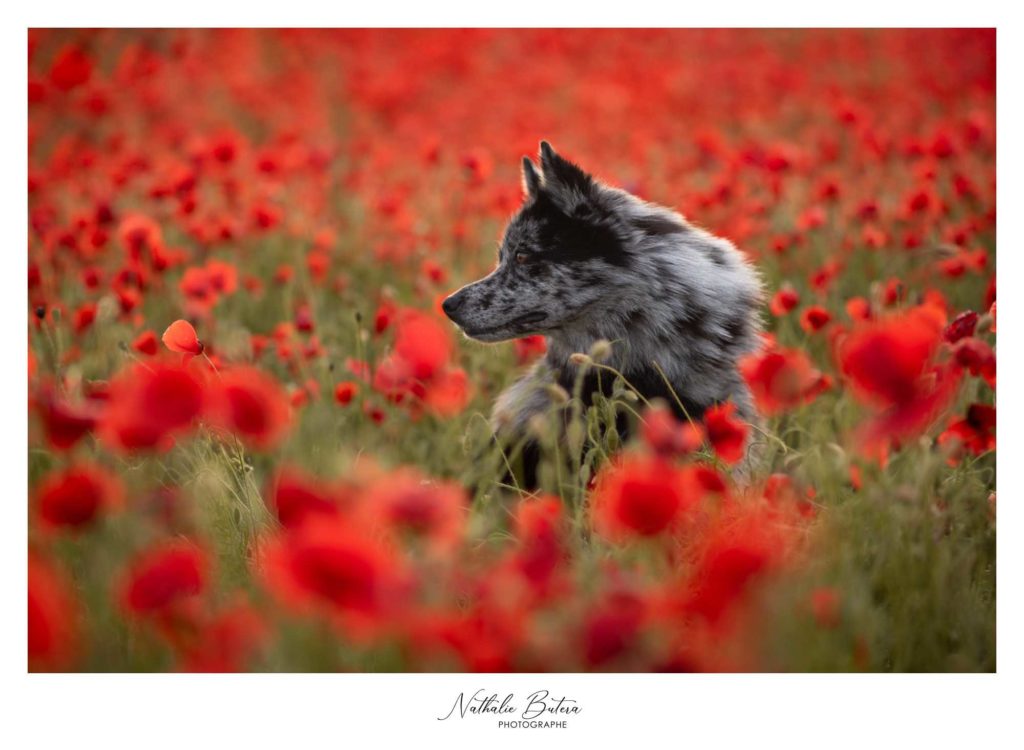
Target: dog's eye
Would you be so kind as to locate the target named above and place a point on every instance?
(522, 258)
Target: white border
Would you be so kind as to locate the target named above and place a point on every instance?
(356, 710)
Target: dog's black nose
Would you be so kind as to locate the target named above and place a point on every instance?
(452, 304)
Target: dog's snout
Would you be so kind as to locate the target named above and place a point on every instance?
(452, 304)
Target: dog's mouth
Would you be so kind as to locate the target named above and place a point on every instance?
(511, 327)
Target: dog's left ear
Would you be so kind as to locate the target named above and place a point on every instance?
(531, 180)
(570, 187)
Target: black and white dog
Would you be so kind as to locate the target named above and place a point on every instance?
(583, 262)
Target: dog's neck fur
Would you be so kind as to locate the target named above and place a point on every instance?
(686, 311)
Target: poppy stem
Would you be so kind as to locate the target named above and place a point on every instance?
(210, 362)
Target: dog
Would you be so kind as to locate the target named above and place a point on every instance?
(582, 262)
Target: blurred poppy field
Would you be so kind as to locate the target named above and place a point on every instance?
(256, 443)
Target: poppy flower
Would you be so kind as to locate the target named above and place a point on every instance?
(225, 641)
(408, 508)
(814, 318)
(383, 317)
(735, 555)
(327, 566)
(252, 405)
(727, 435)
(975, 432)
(540, 528)
(448, 392)
(139, 235)
(53, 613)
(163, 578)
(77, 496)
(611, 628)
(222, 277)
(418, 372)
(423, 343)
(890, 364)
(641, 496)
(64, 424)
(667, 436)
(146, 343)
(181, 337)
(784, 300)
(858, 308)
(198, 290)
(296, 497)
(977, 357)
(149, 405)
(345, 391)
(529, 348)
(885, 360)
(71, 68)
(84, 317)
(962, 327)
(780, 379)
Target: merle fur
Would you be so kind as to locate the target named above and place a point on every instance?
(582, 262)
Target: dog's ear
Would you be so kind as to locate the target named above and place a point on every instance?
(531, 180)
(569, 187)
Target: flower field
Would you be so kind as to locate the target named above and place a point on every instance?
(257, 444)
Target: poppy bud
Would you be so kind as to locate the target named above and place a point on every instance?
(601, 350)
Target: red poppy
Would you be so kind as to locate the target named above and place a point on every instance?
(53, 631)
(885, 361)
(641, 496)
(75, 497)
(181, 337)
(448, 393)
(326, 565)
(383, 317)
(225, 641)
(814, 318)
(735, 555)
(529, 348)
(63, 423)
(423, 343)
(163, 578)
(146, 343)
(222, 277)
(975, 432)
(296, 497)
(784, 300)
(84, 317)
(418, 373)
(71, 68)
(540, 528)
(150, 404)
(345, 391)
(890, 363)
(780, 379)
(199, 291)
(611, 628)
(668, 436)
(727, 435)
(962, 327)
(139, 235)
(977, 357)
(252, 405)
(858, 308)
(408, 507)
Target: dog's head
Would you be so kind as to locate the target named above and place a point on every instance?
(559, 255)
